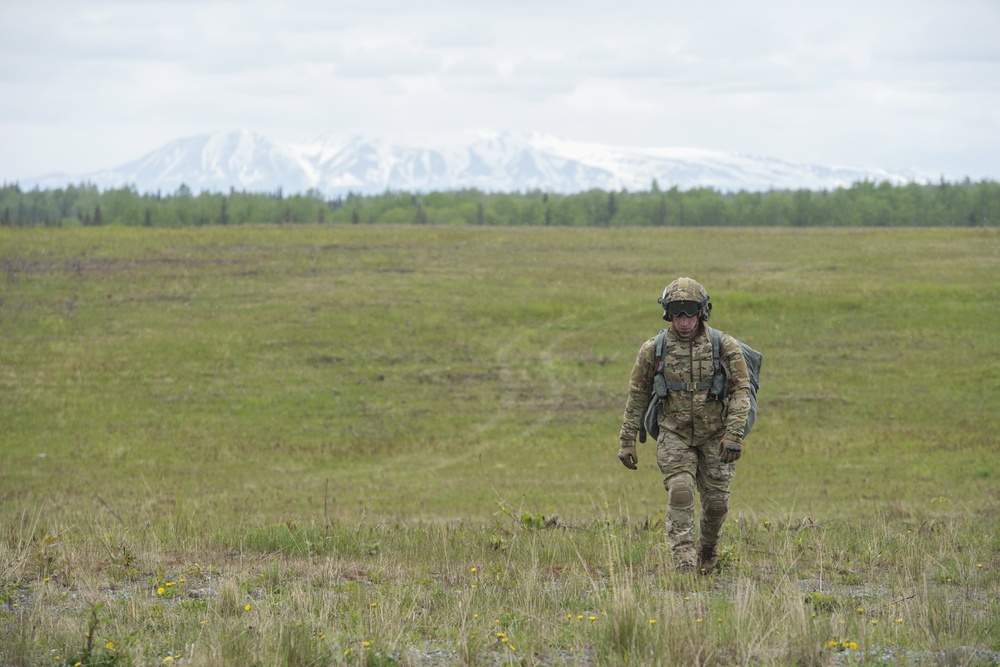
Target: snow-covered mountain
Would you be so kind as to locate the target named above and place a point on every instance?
(488, 161)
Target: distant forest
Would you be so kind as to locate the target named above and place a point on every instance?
(864, 204)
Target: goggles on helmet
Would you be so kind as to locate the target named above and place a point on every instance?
(686, 308)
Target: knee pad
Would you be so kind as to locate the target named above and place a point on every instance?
(680, 490)
(716, 504)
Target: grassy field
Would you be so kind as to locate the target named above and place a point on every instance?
(397, 445)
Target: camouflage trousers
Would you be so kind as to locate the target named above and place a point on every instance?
(686, 469)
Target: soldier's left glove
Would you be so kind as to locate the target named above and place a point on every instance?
(730, 451)
(628, 457)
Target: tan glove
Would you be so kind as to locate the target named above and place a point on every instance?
(730, 451)
(628, 457)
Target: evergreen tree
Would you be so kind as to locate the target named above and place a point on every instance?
(861, 204)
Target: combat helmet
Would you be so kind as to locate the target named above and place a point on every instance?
(685, 296)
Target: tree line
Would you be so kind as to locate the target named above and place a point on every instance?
(863, 204)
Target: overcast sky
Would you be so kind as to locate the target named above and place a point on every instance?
(907, 84)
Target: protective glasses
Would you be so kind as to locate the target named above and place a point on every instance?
(686, 308)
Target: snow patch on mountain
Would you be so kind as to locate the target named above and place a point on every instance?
(491, 161)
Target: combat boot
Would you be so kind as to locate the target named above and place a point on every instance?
(708, 558)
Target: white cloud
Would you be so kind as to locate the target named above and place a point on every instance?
(900, 84)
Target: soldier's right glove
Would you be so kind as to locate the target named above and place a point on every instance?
(730, 451)
(628, 457)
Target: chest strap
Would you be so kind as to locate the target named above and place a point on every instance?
(688, 386)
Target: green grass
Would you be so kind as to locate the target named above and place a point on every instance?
(312, 419)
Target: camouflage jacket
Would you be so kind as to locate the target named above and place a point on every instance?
(692, 415)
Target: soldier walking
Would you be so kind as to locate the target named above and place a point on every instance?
(700, 433)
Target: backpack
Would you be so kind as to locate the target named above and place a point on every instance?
(718, 386)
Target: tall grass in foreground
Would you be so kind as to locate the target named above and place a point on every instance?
(874, 592)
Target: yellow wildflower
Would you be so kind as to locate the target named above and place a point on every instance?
(853, 646)
(247, 607)
(593, 618)
(652, 621)
(160, 590)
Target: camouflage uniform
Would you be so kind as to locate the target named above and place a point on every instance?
(692, 426)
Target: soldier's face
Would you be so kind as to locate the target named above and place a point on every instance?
(686, 326)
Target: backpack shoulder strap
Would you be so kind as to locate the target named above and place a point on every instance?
(660, 343)
(716, 337)
(720, 372)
